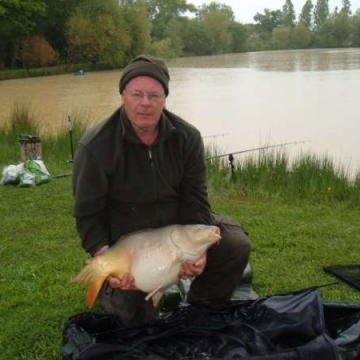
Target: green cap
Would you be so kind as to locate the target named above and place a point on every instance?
(146, 65)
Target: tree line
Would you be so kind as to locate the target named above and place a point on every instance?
(107, 33)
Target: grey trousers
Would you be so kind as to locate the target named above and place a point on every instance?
(225, 265)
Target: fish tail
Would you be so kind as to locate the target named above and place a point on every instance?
(89, 275)
(93, 291)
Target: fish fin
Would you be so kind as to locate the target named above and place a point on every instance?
(157, 297)
(93, 291)
(152, 293)
(90, 275)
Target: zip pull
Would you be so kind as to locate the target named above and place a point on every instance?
(150, 155)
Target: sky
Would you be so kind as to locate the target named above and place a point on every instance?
(245, 10)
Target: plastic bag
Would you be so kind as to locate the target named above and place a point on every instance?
(35, 173)
(11, 174)
(28, 173)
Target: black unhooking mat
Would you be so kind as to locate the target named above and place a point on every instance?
(292, 326)
(348, 273)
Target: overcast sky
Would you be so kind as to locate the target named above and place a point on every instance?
(245, 10)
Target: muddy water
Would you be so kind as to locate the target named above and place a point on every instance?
(238, 101)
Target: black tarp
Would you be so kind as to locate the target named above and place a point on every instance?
(292, 326)
(348, 273)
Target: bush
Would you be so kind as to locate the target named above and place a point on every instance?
(35, 51)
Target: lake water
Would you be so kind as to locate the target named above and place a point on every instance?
(244, 100)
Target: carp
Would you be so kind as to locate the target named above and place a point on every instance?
(153, 257)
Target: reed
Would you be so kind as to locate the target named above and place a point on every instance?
(21, 121)
(56, 147)
(271, 173)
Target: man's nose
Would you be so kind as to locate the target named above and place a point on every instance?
(145, 100)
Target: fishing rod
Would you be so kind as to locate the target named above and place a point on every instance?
(214, 136)
(71, 150)
(231, 155)
(259, 148)
(61, 176)
(71, 140)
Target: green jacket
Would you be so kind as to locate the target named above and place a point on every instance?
(122, 185)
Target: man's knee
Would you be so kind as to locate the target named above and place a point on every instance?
(235, 243)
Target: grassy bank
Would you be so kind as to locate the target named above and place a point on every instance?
(301, 216)
(52, 70)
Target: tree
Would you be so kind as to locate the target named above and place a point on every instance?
(162, 48)
(53, 25)
(218, 18)
(78, 35)
(301, 36)
(325, 36)
(340, 29)
(197, 38)
(268, 21)
(321, 14)
(214, 6)
(355, 28)
(288, 14)
(306, 14)
(346, 9)
(162, 11)
(21, 15)
(17, 19)
(138, 26)
(282, 37)
(336, 30)
(239, 37)
(97, 33)
(173, 32)
(35, 51)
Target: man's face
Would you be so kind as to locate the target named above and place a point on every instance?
(143, 100)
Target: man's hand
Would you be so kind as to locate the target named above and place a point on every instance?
(193, 268)
(127, 281)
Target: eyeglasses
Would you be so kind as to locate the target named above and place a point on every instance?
(139, 96)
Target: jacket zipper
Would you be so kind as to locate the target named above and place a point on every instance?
(150, 156)
(159, 210)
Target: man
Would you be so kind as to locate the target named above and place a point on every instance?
(144, 167)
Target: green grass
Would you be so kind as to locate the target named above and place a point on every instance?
(293, 240)
(296, 224)
(40, 252)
